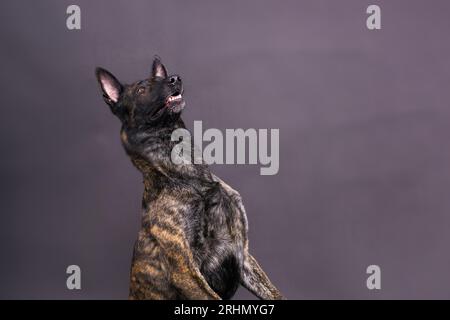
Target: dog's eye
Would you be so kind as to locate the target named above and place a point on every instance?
(140, 90)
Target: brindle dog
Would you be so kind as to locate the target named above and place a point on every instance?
(193, 241)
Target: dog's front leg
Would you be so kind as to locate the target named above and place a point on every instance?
(185, 275)
(256, 281)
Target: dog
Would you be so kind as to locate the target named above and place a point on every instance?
(193, 241)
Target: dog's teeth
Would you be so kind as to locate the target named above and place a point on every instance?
(172, 98)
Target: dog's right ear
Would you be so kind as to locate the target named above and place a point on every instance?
(111, 87)
(158, 69)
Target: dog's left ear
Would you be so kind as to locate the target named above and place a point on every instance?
(158, 69)
(111, 87)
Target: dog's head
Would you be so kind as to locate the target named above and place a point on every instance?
(154, 102)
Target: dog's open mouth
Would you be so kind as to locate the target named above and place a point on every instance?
(175, 102)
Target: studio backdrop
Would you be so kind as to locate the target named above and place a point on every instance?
(360, 102)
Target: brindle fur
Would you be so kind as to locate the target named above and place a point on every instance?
(193, 240)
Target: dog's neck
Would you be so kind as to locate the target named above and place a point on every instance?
(150, 151)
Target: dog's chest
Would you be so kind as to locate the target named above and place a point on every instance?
(214, 227)
(216, 239)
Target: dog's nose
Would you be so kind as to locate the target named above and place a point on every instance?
(174, 80)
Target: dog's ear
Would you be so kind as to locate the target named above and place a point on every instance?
(158, 69)
(111, 87)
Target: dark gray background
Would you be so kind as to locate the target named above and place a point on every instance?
(364, 139)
